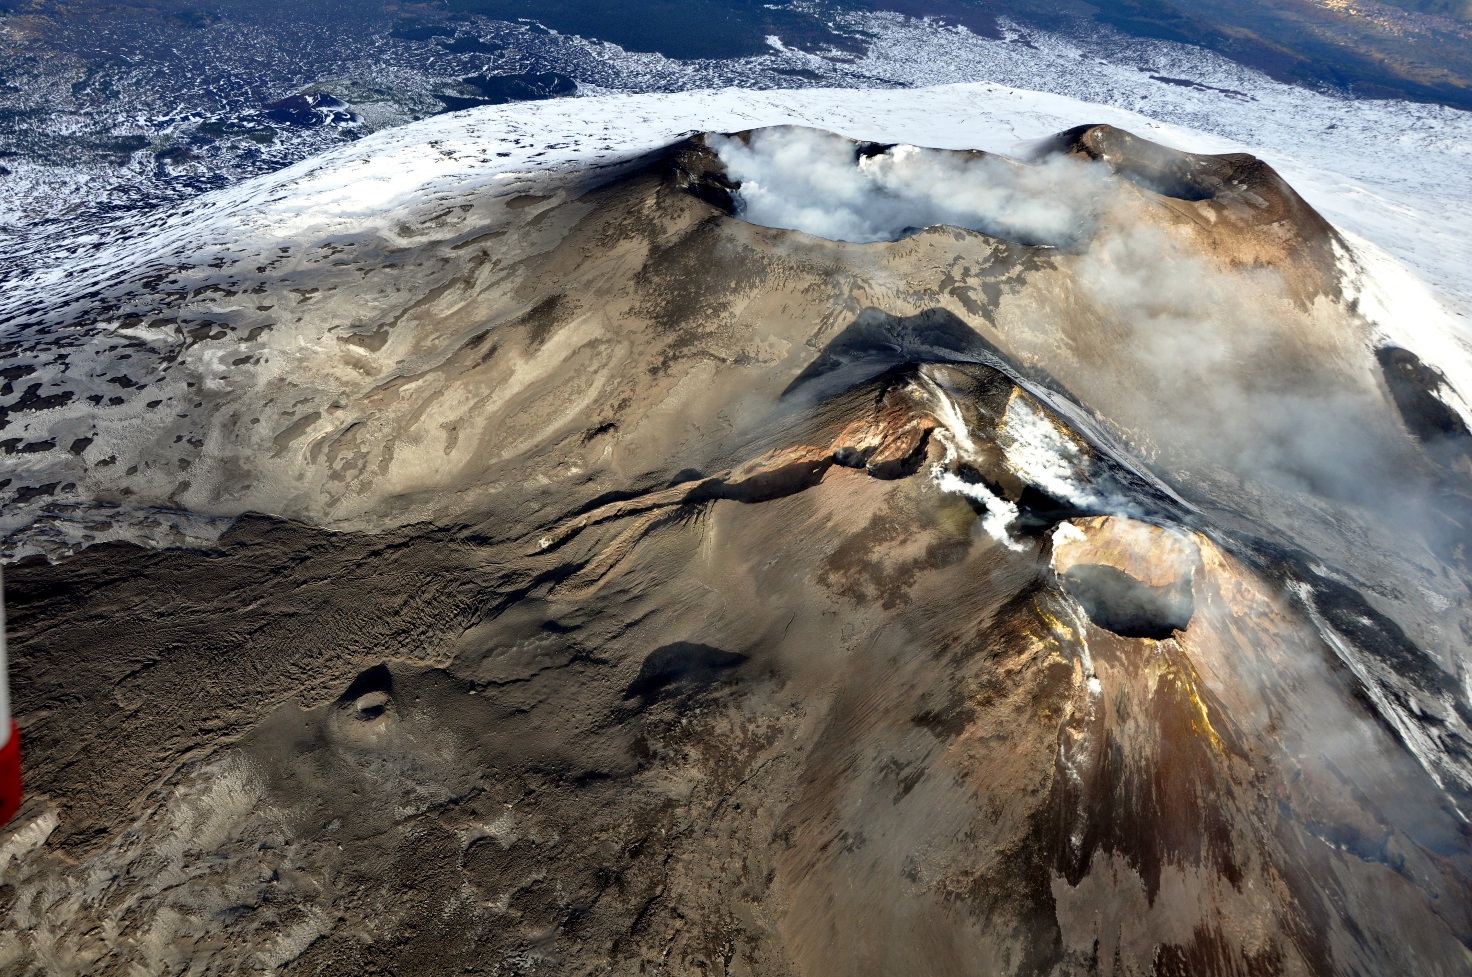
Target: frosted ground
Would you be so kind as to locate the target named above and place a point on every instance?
(1388, 171)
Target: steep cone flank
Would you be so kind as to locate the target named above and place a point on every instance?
(583, 578)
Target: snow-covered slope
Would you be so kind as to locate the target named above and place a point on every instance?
(1389, 174)
(1392, 168)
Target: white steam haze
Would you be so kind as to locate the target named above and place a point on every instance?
(814, 181)
(1201, 341)
(1213, 355)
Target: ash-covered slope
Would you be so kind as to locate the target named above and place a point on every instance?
(1077, 587)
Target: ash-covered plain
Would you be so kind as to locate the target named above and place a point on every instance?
(1046, 567)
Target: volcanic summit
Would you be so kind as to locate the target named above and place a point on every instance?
(769, 552)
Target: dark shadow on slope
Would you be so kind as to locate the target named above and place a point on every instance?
(682, 666)
(876, 341)
(377, 679)
(1421, 395)
(1418, 389)
(501, 89)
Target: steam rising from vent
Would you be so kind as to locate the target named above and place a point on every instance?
(823, 184)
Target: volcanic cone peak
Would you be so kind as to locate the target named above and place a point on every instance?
(1256, 219)
(581, 575)
(958, 422)
(392, 374)
(822, 183)
(1241, 182)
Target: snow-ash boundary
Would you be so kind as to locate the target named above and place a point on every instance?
(359, 186)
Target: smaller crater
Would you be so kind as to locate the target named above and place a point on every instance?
(1118, 602)
(367, 707)
(371, 705)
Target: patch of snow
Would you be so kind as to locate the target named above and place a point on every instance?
(1397, 705)
(1040, 453)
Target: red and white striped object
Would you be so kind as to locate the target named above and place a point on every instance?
(10, 788)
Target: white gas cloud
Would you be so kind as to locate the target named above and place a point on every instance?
(817, 182)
